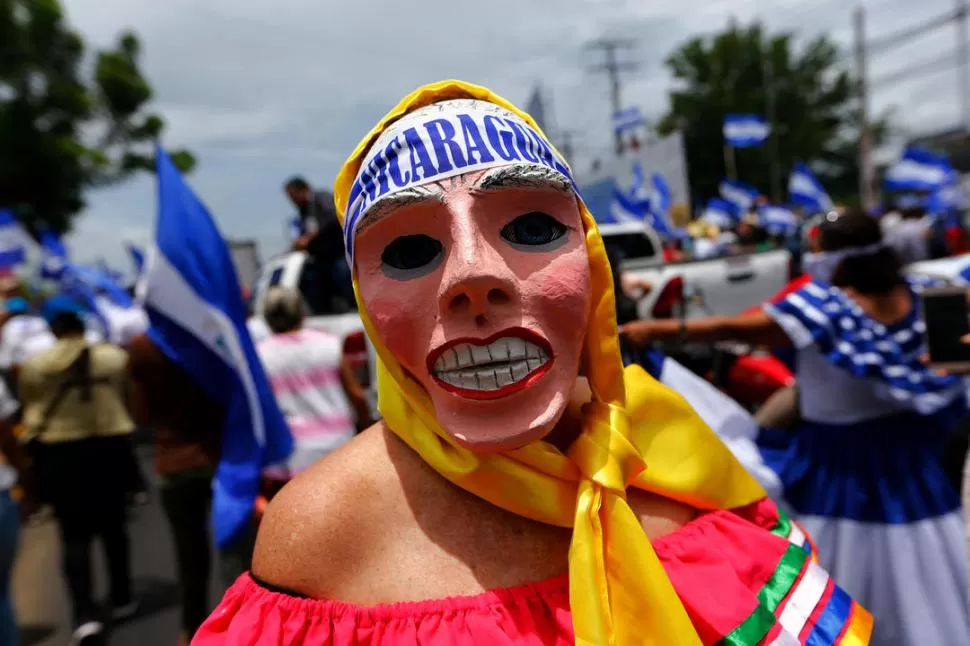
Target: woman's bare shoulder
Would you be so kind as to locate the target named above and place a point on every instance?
(324, 522)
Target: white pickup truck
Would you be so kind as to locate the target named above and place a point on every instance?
(719, 286)
(946, 268)
(286, 270)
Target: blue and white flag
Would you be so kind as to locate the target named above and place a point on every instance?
(745, 130)
(778, 220)
(198, 319)
(627, 119)
(104, 282)
(639, 190)
(659, 201)
(660, 198)
(739, 194)
(13, 241)
(805, 190)
(918, 170)
(721, 213)
(53, 256)
(138, 257)
(625, 208)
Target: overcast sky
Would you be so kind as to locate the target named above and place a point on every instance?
(263, 90)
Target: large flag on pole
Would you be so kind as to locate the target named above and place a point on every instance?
(198, 319)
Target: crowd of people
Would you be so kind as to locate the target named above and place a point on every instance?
(71, 398)
(541, 472)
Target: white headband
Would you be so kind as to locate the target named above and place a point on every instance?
(440, 141)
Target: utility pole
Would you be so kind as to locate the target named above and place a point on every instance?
(612, 65)
(769, 80)
(865, 132)
(963, 62)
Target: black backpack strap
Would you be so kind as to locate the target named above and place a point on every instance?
(77, 375)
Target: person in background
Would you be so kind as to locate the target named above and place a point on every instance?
(187, 427)
(313, 383)
(20, 332)
(327, 277)
(12, 467)
(863, 465)
(77, 429)
(910, 236)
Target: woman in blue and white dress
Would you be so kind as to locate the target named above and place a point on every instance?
(863, 470)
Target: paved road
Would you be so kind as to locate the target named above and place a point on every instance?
(40, 593)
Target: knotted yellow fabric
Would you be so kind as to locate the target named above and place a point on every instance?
(636, 433)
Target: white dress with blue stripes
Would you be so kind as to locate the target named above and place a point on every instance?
(863, 473)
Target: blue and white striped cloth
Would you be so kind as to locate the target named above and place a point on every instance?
(822, 315)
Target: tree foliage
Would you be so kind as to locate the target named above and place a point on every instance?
(816, 119)
(65, 125)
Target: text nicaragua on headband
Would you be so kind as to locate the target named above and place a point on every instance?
(454, 137)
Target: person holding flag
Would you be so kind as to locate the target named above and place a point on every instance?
(197, 316)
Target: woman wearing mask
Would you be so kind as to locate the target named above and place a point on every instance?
(863, 468)
(510, 496)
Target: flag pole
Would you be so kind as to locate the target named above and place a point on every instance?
(730, 163)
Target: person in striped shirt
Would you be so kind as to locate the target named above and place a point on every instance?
(313, 383)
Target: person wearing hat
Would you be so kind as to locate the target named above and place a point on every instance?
(77, 430)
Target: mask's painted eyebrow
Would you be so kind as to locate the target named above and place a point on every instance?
(406, 197)
(521, 176)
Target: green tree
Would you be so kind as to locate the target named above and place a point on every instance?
(65, 126)
(816, 119)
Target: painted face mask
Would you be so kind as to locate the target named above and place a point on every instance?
(456, 207)
(479, 282)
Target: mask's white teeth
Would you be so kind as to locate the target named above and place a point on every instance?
(520, 370)
(503, 377)
(487, 380)
(480, 354)
(489, 367)
(464, 354)
(499, 350)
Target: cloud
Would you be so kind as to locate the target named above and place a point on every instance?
(262, 91)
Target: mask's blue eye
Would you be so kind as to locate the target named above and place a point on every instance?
(409, 253)
(533, 230)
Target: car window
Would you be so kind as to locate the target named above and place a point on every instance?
(630, 246)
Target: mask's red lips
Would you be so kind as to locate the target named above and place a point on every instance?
(493, 367)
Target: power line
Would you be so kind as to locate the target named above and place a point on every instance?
(612, 65)
(895, 40)
(936, 64)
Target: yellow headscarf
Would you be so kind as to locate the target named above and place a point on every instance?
(636, 433)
